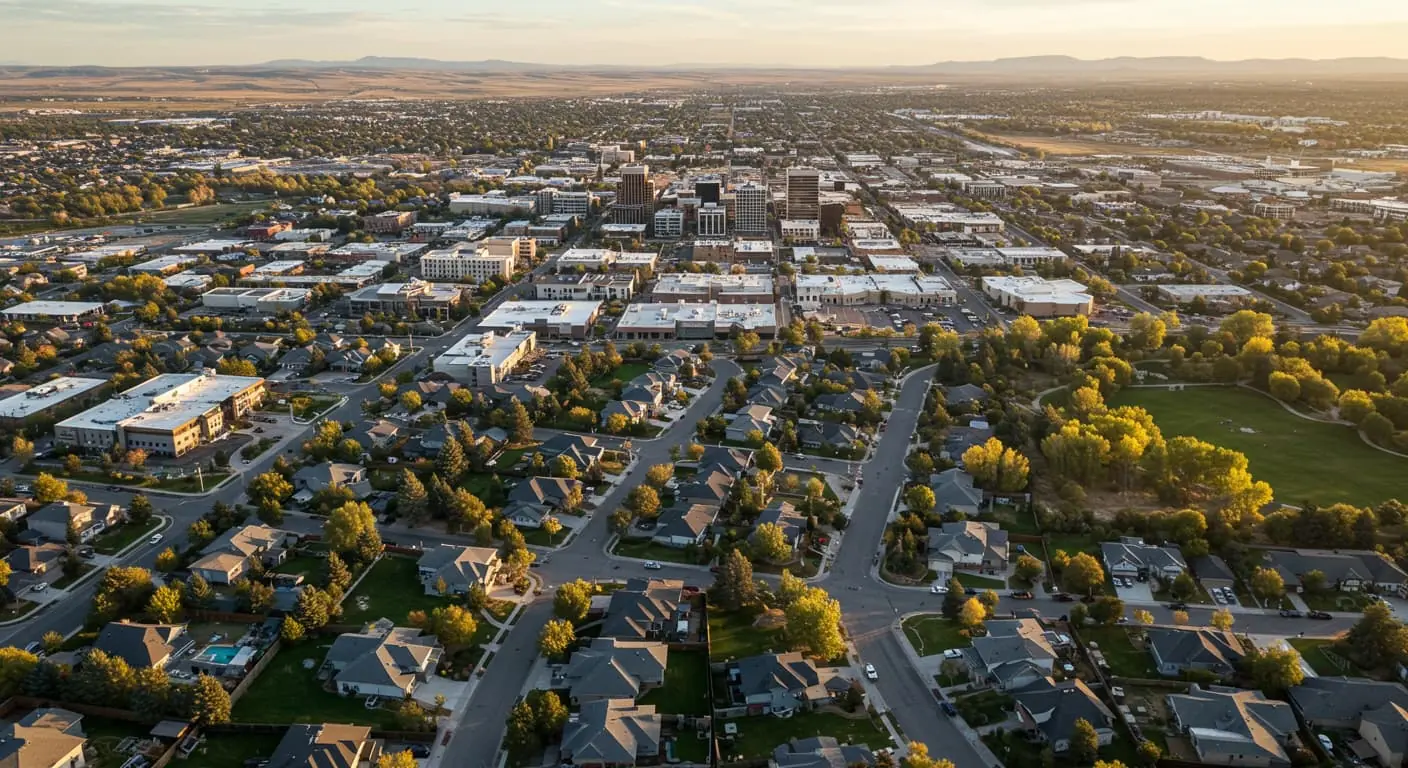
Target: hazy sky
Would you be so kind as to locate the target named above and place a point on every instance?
(799, 32)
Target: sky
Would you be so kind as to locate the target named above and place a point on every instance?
(832, 33)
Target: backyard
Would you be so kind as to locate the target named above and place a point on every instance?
(645, 549)
(686, 688)
(983, 708)
(932, 634)
(1304, 461)
(288, 691)
(624, 372)
(1312, 649)
(1124, 659)
(757, 737)
(391, 590)
(232, 750)
(733, 636)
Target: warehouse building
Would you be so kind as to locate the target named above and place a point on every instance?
(268, 300)
(48, 397)
(53, 311)
(661, 322)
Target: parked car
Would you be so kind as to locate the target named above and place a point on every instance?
(970, 591)
(1291, 614)
(1023, 595)
(938, 589)
(1322, 615)
(1062, 597)
(870, 672)
(1326, 743)
(651, 565)
(948, 709)
(953, 653)
(155, 539)
(1179, 606)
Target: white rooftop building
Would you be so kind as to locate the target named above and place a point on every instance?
(167, 415)
(47, 396)
(645, 321)
(484, 359)
(552, 319)
(53, 311)
(163, 265)
(1038, 297)
(816, 291)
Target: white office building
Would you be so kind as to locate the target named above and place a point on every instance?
(477, 265)
(817, 291)
(551, 319)
(484, 359)
(166, 416)
(494, 204)
(46, 397)
(669, 223)
(1038, 297)
(645, 322)
(572, 203)
(750, 209)
(802, 230)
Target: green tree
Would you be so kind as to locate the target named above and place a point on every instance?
(291, 631)
(450, 463)
(573, 600)
(1267, 584)
(22, 450)
(453, 625)
(1085, 742)
(1183, 587)
(210, 702)
(1083, 574)
(920, 499)
(564, 466)
(1377, 640)
(140, 509)
(412, 502)
(659, 475)
(557, 637)
(767, 459)
(770, 544)
(164, 606)
(346, 524)
(644, 502)
(519, 424)
(953, 600)
(1275, 670)
(48, 489)
(269, 490)
(814, 624)
(410, 400)
(1149, 753)
(734, 587)
(1029, 569)
(15, 666)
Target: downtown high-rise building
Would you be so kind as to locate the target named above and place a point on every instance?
(635, 196)
(750, 209)
(803, 193)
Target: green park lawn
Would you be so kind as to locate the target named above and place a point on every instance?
(932, 634)
(1304, 461)
(114, 540)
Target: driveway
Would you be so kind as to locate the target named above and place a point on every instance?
(1139, 594)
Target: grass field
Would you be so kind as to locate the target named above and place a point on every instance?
(286, 692)
(1062, 145)
(759, 736)
(686, 688)
(733, 636)
(231, 750)
(1312, 649)
(1124, 659)
(1304, 461)
(932, 634)
(392, 590)
(625, 372)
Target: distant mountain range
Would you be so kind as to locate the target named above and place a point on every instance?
(1022, 66)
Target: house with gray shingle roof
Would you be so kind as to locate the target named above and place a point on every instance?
(954, 490)
(384, 660)
(1131, 557)
(777, 683)
(326, 746)
(550, 492)
(965, 394)
(822, 752)
(1048, 711)
(45, 738)
(1177, 651)
(1231, 726)
(967, 545)
(1378, 711)
(684, 524)
(612, 733)
(646, 609)
(785, 516)
(142, 645)
(611, 668)
(1014, 653)
(828, 434)
(1345, 570)
(458, 568)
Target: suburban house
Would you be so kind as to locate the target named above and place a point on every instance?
(37, 559)
(816, 435)
(822, 752)
(330, 474)
(582, 449)
(44, 738)
(610, 668)
(652, 397)
(636, 412)
(378, 433)
(749, 419)
(647, 609)
(960, 438)
(676, 362)
(954, 491)
(846, 402)
(327, 745)
(778, 683)
(526, 514)
(1048, 712)
(1345, 570)
(711, 488)
(769, 395)
(13, 509)
(1377, 711)
(785, 516)
(1130, 557)
(297, 359)
(550, 492)
(1015, 653)
(684, 524)
(777, 374)
(52, 520)
(230, 555)
(1232, 726)
(142, 645)
(1179, 650)
(1213, 572)
(612, 733)
(717, 458)
(383, 660)
(664, 383)
(965, 395)
(457, 569)
(967, 545)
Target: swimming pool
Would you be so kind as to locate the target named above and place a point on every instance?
(218, 654)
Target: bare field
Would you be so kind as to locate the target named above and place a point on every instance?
(187, 89)
(1060, 145)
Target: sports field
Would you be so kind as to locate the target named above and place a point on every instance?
(1304, 461)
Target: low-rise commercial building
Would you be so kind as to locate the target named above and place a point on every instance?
(166, 416)
(596, 259)
(1025, 258)
(484, 359)
(524, 250)
(588, 286)
(551, 319)
(388, 222)
(495, 204)
(269, 300)
(165, 265)
(476, 265)
(1215, 293)
(356, 253)
(432, 301)
(724, 289)
(803, 230)
(644, 321)
(53, 311)
(816, 291)
(44, 399)
(1039, 297)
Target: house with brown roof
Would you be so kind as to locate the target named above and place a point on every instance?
(228, 557)
(44, 738)
(326, 746)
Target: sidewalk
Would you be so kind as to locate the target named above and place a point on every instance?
(971, 735)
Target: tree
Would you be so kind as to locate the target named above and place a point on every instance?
(48, 489)
(164, 606)
(1107, 609)
(734, 587)
(1142, 616)
(291, 631)
(789, 588)
(644, 501)
(1180, 618)
(953, 600)
(1267, 584)
(233, 366)
(450, 462)
(22, 450)
(402, 759)
(1085, 742)
(573, 600)
(1313, 581)
(1275, 670)
(519, 424)
(347, 523)
(918, 757)
(268, 491)
(814, 624)
(15, 665)
(767, 459)
(1029, 569)
(339, 577)
(973, 614)
(1183, 586)
(312, 608)
(744, 343)
(1284, 387)
(1221, 619)
(140, 509)
(453, 625)
(564, 466)
(412, 501)
(551, 527)
(659, 475)
(1082, 574)
(1378, 639)
(1150, 753)
(73, 464)
(920, 499)
(52, 641)
(770, 543)
(198, 591)
(210, 703)
(557, 637)
(410, 400)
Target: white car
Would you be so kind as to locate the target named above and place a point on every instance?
(155, 539)
(1326, 743)
(953, 653)
(40, 587)
(938, 589)
(651, 565)
(870, 672)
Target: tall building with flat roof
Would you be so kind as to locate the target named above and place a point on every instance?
(750, 209)
(477, 265)
(713, 221)
(635, 197)
(165, 416)
(803, 194)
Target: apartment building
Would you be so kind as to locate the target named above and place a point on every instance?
(389, 222)
(724, 289)
(166, 416)
(635, 196)
(669, 223)
(588, 286)
(475, 265)
(524, 250)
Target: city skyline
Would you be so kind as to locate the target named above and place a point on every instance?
(829, 33)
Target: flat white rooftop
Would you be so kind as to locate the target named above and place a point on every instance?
(1036, 289)
(666, 317)
(1214, 289)
(163, 263)
(514, 313)
(162, 403)
(893, 263)
(478, 349)
(57, 308)
(279, 267)
(46, 395)
(213, 246)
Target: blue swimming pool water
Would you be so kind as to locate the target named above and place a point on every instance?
(219, 654)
